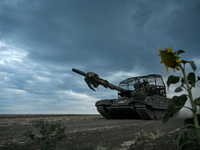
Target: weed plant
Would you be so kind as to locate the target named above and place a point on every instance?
(49, 134)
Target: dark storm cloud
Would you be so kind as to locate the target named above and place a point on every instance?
(116, 39)
(75, 29)
(64, 31)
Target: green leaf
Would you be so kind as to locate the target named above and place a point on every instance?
(197, 101)
(172, 80)
(178, 89)
(182, 81)
(179, 100)
(184, 61)
(180, 51)
(169, 113)
(192, 65)
(189, 124)
(182, 140)
(198, 78)
(191, 78)
(177, 103)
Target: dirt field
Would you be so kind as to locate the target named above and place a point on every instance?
(89, 132)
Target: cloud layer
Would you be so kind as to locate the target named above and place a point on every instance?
(41, 41)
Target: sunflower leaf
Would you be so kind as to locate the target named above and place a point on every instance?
(172, 80)
(189, 123)
(192, 64)
(180, 51)
(182, 81)
(197, 101)
(178, 89)
(177, 103)
(182, 140)
(191, 78)
(184, 61)
(179, 100)
(169, 113)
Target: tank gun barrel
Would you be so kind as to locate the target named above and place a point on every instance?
(93, 81)
(79, 72)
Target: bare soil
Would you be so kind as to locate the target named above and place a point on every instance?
(89, 132)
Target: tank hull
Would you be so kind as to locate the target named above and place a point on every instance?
(147, 108)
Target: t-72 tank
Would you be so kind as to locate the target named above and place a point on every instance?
(138, 97)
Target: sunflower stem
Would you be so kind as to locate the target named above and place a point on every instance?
(193, 105)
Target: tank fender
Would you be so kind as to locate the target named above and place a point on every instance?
(104, 102)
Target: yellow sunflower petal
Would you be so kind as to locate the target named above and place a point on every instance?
(177, 68)
(161, 62)
(159, 49)
(178, 61)
(166, 68)
(169, 50)
(158, 54)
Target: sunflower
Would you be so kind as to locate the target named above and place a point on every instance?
(169, 58)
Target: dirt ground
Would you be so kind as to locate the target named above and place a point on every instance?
(89, 132)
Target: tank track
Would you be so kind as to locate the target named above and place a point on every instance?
(102, 111)
(116, 115)
(149, 113)
(144, 112)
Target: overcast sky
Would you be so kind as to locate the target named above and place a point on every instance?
(41, 41)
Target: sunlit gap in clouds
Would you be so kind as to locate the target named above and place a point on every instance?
(11, 54)
(79, 96)
(80, 102)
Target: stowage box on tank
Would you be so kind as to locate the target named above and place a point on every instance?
(138, 97)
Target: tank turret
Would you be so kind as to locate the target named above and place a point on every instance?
(138, 97)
